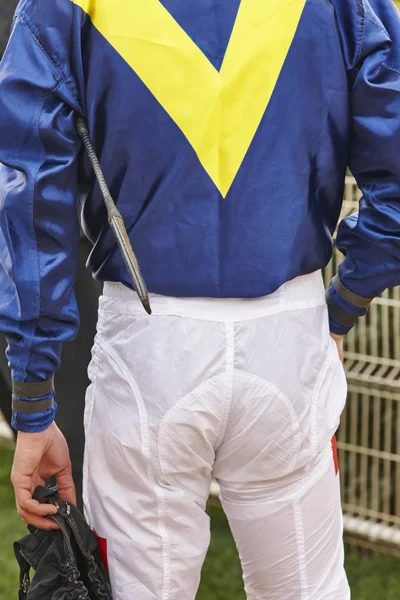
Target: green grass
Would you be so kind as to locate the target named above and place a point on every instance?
(374, 577)
(11, 528)
(371, 578)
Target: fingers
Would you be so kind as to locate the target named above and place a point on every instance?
(66, 487)
(41, 523)
(26, 504)
(34, 513)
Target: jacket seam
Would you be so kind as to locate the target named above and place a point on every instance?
(43, 159)
(377, 25)
(63, 79)
(363, 27)
(21, 8)
(365, 18)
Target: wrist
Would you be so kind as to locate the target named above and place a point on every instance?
(337, 337)
(31, 445)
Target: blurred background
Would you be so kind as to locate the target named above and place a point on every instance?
(368, 441)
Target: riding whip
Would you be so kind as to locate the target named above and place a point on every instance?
(115, 219)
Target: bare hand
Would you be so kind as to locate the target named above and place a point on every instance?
(39, 456)
(339, 343)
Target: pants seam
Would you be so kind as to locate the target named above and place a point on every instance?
(162, 505)
(203, 388)
(162, 509)
(229, 374)
(301, 549)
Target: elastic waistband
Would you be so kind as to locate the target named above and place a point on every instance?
(307, 291)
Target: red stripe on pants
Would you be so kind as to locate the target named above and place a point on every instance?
(335, 454)
(103, 550)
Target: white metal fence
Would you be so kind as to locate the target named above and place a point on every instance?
(369, 434)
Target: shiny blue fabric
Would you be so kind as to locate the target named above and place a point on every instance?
(215, 18)
(337, 102)
(371, 239)
(39, 229)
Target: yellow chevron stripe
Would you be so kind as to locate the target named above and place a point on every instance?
(218, 112)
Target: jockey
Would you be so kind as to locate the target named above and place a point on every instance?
(224, 130)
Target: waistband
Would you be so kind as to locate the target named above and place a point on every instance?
(307, 291)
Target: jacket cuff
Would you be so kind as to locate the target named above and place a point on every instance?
(344, 307)
(32, 391)
(33, 406)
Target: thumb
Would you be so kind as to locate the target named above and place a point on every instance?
(66, 486)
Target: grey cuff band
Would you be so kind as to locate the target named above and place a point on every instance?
(31, 407)
(349, 296)
(340, 314)
(32, 390)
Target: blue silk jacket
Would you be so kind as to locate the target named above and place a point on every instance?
(224, 128)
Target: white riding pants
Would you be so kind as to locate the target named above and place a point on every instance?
(247, 391)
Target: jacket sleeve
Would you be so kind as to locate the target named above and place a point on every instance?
(39, 229)
(370, 240)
